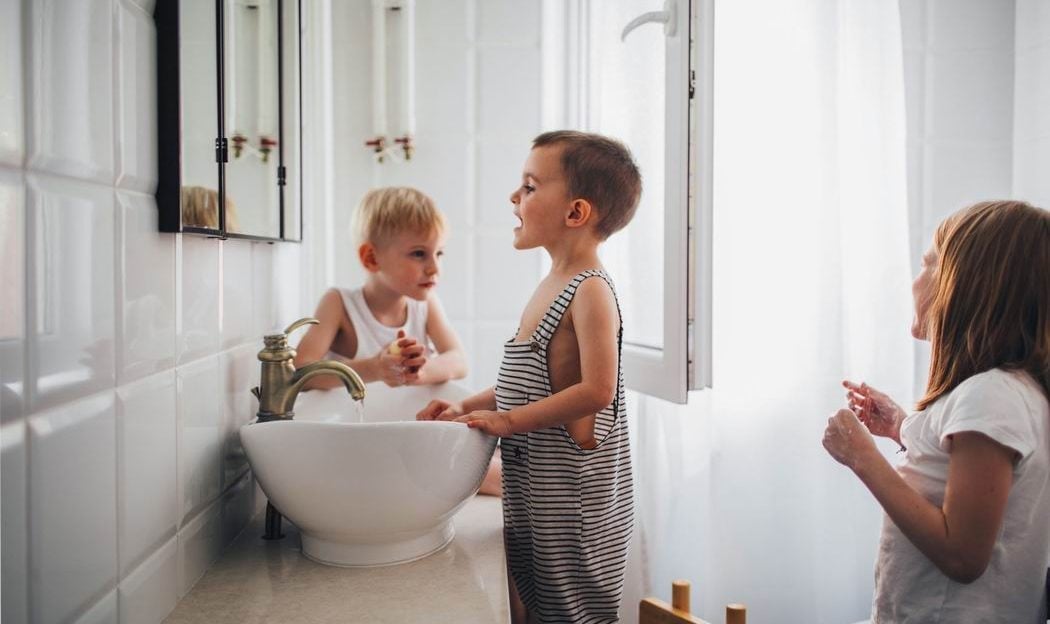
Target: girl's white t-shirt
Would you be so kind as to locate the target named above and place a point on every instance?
(1010, 408)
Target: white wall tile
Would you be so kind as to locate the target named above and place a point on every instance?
(1033, 23)
(443, 22)
(102, 612)
(971, 24)
(146, 467)
(200, 543)
(13, 302)
(149, 593)
(12, 86)
(145, 289)
(240, 372)
(456, 280)
(70, 290)
(508, 22)
(443, 168)
(238, 507)
(136, 99)
(264, 309)
(1031, 164)
(71, 98)
(200, 435)
(508, 90)
(1032, 96)
(505, 276)
(957, 110)
(72, 507)
(961, 174)
(13, 533)
(237, 319)
(500, 163)
(913, 24)
(445, 99)
(199, 280)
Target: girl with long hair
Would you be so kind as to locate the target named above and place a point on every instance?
(966, 534)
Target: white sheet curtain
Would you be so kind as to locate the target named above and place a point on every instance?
(812, 284)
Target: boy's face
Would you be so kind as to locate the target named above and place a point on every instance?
(409, 263)
(541, 202)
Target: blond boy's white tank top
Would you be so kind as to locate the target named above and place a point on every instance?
(372, 336)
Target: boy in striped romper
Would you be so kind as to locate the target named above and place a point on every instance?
(558, 402)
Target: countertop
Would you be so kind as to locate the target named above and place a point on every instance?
(259, 581)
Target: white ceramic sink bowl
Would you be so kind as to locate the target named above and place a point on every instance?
(372, 489)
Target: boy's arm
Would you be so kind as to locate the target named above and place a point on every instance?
(317, 342)
(594, 316)
(451, 361)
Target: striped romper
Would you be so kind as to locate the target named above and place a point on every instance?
(567, 512)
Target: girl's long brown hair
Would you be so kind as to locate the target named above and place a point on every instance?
(991, 308)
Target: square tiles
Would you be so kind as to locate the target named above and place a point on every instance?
(12, 85)
(13, 303)
(136, 98)
(200, 283)
(200, 441)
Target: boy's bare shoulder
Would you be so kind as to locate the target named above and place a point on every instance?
(594, 296)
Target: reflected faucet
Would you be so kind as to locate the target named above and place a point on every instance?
(280, 382)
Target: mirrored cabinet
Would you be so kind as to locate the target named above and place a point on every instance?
(229, 118)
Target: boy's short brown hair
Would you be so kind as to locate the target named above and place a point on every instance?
(385, 212)
(600, 170)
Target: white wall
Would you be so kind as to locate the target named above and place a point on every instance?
(1031, 138)
(478, 107)
(126, 354)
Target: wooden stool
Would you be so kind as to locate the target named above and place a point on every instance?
(653, 611)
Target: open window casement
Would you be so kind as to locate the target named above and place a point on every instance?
(640, 71)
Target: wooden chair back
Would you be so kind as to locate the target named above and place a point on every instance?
(653, 611)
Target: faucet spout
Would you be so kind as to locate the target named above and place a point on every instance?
(347, 375)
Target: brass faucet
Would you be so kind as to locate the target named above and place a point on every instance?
(280, 382)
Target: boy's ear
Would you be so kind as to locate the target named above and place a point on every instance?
(367, 254)
(580, 213)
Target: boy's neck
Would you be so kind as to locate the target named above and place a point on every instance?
(573, 255)
(389, 307)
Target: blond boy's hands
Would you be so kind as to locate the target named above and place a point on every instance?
(397, 363)
(440, 410)
(490, 422)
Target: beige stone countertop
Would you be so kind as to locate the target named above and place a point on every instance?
(259, 581)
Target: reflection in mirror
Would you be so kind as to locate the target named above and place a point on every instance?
(290, 121)
(252, 109)
(200, 208)
(199, 121)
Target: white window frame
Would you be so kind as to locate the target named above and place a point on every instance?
(684, 361)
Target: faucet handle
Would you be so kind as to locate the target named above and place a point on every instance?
(276, 345)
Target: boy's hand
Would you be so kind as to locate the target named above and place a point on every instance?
(390, 361)
(440, 410)
(492, 423)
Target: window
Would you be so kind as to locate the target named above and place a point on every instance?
(648, 85)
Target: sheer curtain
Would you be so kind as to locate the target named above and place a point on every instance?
(812, 285)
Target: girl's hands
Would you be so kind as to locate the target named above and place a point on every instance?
(847, 441)
(398, 363)
(440, 410)
(492, 423)
(879, 413)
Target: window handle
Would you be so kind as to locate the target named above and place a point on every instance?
(666, 17)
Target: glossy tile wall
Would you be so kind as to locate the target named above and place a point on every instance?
(479, 103)
(126, 354)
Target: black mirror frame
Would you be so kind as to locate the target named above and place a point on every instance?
(169, 131)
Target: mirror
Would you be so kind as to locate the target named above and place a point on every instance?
(227, 108)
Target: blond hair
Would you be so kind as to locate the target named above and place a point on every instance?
(200, 208)
(991, 305)
(386, 212)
